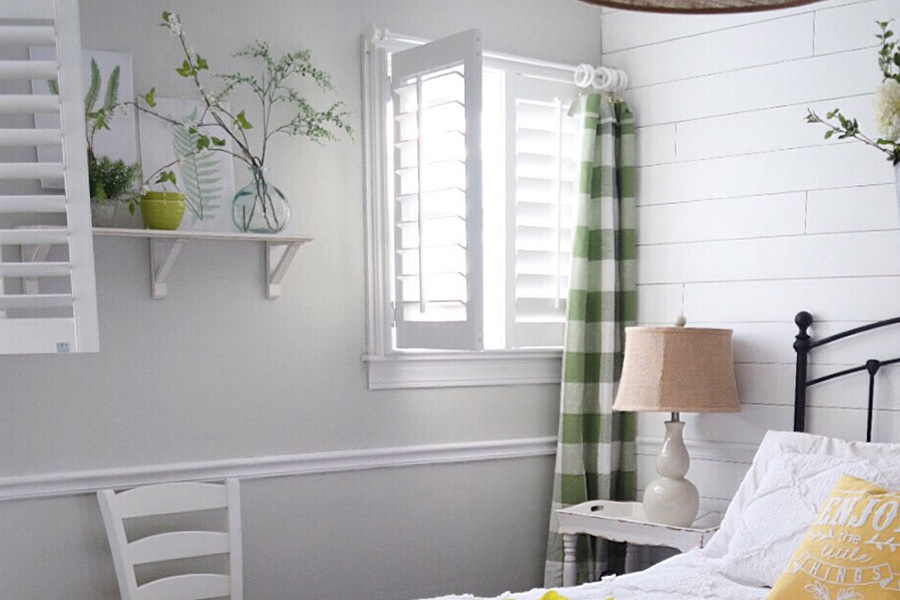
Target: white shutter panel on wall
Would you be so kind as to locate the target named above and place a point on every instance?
(545, 186)
(436, 95)
(47, 290)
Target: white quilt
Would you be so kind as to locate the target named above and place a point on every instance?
(701, 574)
(688, 576)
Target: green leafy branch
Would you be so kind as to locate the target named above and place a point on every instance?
(889, 55)
(849, 128)
(844, 127)
(273, 86)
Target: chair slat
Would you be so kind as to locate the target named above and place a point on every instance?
(32, 204)
(30, 137)
(35, 269)
(171, 498)
(27, 34)
(36, 301)
(178, 544)
(186, 587)
(28, 69)
(29, 104)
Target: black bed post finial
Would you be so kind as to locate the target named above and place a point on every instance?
(801, 346)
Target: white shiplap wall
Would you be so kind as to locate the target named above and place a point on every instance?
(747, 215)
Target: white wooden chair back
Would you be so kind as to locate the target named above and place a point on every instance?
(48, 298)
(168, 499)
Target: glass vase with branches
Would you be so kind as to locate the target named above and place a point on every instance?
(273, 85)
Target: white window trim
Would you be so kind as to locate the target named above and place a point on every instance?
(389, 368)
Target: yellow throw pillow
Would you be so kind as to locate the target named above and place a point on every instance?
(852, 550)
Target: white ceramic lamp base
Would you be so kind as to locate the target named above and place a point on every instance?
(671, 499)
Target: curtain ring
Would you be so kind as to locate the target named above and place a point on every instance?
(584, 75)
(602, 78)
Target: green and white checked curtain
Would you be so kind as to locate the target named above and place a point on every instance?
(595, 453)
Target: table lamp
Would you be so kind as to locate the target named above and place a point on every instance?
(676, 369)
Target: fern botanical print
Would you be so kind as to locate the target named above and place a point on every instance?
(201, 175)
(205, 177)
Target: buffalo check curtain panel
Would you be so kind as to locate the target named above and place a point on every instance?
(595, 453)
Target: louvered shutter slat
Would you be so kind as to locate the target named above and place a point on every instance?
(32, 204)
(28, 104)
(24, 34)
(30, 137)
(47, 286)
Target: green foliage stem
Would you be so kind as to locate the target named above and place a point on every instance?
(845, 127)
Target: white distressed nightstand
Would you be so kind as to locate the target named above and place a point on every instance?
(621, 522)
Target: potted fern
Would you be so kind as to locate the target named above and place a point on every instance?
(112, 182)
(113, 193)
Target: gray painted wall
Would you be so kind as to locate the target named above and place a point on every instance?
(216, 371)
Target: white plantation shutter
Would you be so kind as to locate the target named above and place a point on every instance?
(47, 289)
(436, 95)
(545, 186)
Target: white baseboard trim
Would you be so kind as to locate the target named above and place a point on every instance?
(85, 482)
(703, 450)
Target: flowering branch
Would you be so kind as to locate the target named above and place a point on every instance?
(272, 87)
(887, 103)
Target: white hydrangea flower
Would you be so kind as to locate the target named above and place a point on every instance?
(887, 109)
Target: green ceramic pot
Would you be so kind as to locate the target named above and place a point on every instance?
(162, 210)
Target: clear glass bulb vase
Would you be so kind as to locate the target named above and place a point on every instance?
(260, 207)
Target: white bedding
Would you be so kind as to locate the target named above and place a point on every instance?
(688, 576)
(710, 574)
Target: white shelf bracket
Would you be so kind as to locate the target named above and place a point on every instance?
(278, 258)
(163, 254)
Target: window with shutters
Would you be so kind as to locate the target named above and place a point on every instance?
(470, 188)
(47, 289)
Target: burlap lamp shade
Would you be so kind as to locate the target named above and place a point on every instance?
(677, 369)
(700, 6)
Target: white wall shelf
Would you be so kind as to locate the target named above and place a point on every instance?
(165, 246)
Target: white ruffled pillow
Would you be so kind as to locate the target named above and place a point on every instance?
(774, 444)
(773, 522)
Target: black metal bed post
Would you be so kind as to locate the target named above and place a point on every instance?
(801, 346)
(872, 367)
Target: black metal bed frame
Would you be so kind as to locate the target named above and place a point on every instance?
(803, 344)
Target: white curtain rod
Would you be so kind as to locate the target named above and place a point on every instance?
(601, 79)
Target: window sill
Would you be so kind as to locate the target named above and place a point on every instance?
(463, 369)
